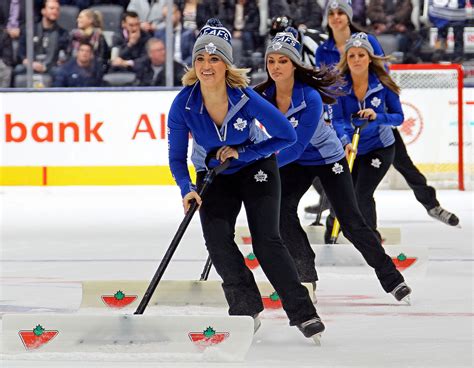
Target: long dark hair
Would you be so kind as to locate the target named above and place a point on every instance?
(327, 81)
(377, 66)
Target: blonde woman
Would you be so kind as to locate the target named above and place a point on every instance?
(219, 110)
(89, 30)
(371, 94)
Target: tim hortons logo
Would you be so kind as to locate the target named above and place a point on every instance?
(208, 337)
(34, 339)
(118, 300)
(412, 126)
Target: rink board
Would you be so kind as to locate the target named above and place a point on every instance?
(343, 255)
(219, 337)
(103, 293)
(390, 235)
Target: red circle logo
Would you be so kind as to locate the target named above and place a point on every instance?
(412, 126)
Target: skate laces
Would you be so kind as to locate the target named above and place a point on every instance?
(441, 214)
(398, 287)
(309, 322)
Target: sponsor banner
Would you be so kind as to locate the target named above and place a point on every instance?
(119, 137)
(84, 128)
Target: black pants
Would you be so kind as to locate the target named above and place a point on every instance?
(257, 186)
(424, 193)
(337, 182)
(367, 173)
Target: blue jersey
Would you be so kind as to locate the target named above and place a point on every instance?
(378, 133)
(189, 115)
(443, 14)
(328, 54)
(317, 142)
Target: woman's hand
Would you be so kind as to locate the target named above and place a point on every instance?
(348, 149)
(367, 113)
(187, 200)
(226, 152)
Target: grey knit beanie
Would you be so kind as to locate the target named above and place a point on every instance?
(214, 38)
(344, 5)
(359, 39)
(286, 43)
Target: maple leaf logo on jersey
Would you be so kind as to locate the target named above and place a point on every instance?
(294, 122)
(210, 48)
(260, 177)
(376, 101)
(240, 124)
(337, 168)
(376, 163)
(277, 46)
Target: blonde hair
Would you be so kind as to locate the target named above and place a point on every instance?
(377, 66)
(234, 77)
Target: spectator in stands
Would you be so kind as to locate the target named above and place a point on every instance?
(443, 15)
(49, 42)
(122, 3)
(81, 4)
(306, 13)
(89, 30)
(12, 19)
(81, 71)
(131, 45)
(394, 17)
(246, 26)
(6, 58)
(224, 10)
(149, 12)
(183, 38)
(189, 12)
(151, 69)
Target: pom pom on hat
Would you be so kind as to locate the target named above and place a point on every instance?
(286, 43)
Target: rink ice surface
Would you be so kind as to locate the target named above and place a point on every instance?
(52, 238)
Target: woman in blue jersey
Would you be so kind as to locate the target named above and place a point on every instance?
(372, 94)
(340, 28)
(299, 92)
(338, 14)
(219, 110)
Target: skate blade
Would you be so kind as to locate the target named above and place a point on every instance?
(406, 300)
(317, 339)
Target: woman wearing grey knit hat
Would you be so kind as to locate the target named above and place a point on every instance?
(338, 15)
(371, 94)
(219, 110)
(299, 91)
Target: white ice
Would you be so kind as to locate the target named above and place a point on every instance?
(52, 238)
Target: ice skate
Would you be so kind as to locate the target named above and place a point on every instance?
(312, 329)
(439, 213)
(402, 293)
